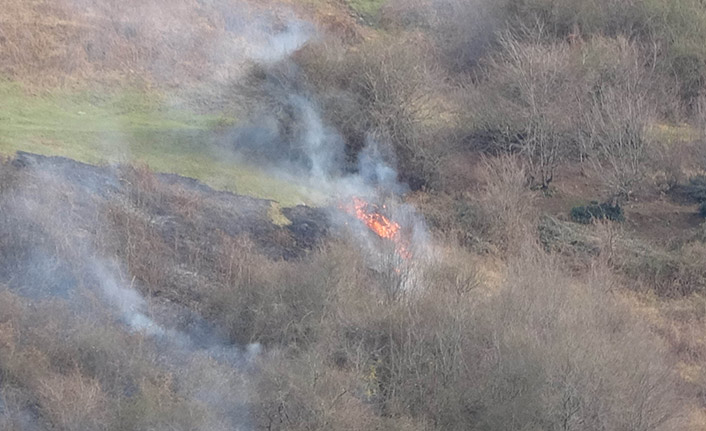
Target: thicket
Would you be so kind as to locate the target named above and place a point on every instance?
(696, 188)
(597, 211)
(345, 347)
(350, 345)
(555, 82)
(389, 91)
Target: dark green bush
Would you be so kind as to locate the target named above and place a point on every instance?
(696, 189)
(702, 209)
(595, 211)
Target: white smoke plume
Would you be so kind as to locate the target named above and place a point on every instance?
(375, 181)
(259, 38)
(300, 146)
(63, 212)
(129, 303)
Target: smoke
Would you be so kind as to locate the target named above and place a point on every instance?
(290, 136)
(316, 158)
(129, 303)
(12, 418)
(211, 372)
(269, 44)
(222, 386)
(321, 145)
(373, 170)
(62, 212)
(177, 41)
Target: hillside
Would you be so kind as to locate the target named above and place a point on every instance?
(164, 43)
(352, 215)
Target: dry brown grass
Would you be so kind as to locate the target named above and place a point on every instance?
(158, 42)
(74, 402)
(346, 345)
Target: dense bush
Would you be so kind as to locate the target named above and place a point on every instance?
(507, 201)
(350, 342)
(389, 91)
(358, 340)
(553, 102)
(696, 188)
(671, 32)
(669, 273)
(702, 209)
(463, 32)
(571, 80)
(595, 211)
(466, 366)
(527, 104)
(460, 218)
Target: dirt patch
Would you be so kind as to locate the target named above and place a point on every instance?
(661, 218)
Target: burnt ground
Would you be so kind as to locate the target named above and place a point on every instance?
(168, 236)
(163, 197)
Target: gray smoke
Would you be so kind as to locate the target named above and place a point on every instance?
(297, 140)
(187, 352)
(129, 303)
(316, 154)
(375, 180)
(269, 44)
(212, 372)
(321, 145)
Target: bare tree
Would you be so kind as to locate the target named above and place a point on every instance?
(532, 91)
(616, 121)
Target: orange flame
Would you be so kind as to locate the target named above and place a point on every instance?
(379, 224)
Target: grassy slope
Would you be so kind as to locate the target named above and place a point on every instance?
(95, 127)
(129, 126)
(366, 8)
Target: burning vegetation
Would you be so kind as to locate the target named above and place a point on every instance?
(378, 223)
(131, 300)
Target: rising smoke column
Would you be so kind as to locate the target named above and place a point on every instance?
(297, 140)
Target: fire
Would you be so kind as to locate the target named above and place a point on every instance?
(379, 224)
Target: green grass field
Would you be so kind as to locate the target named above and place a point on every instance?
(131, 126)
(368, 9)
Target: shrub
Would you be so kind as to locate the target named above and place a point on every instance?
(449, 362)
(553, 102)
(463, 31)
(617, 109)
(507, 201)
(679, 28)
(563, 19)
(460, 218)
(696, 189)
(702, 209)
(527, 104)
(561, 237)
(595, 211)
(265, 301)
(345, 349)
(617, 121)
(389, 90)
(672, 33)
(538, 299)
(668, 273)
(74, 402)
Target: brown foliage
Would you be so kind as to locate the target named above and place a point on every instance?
(390, 91)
